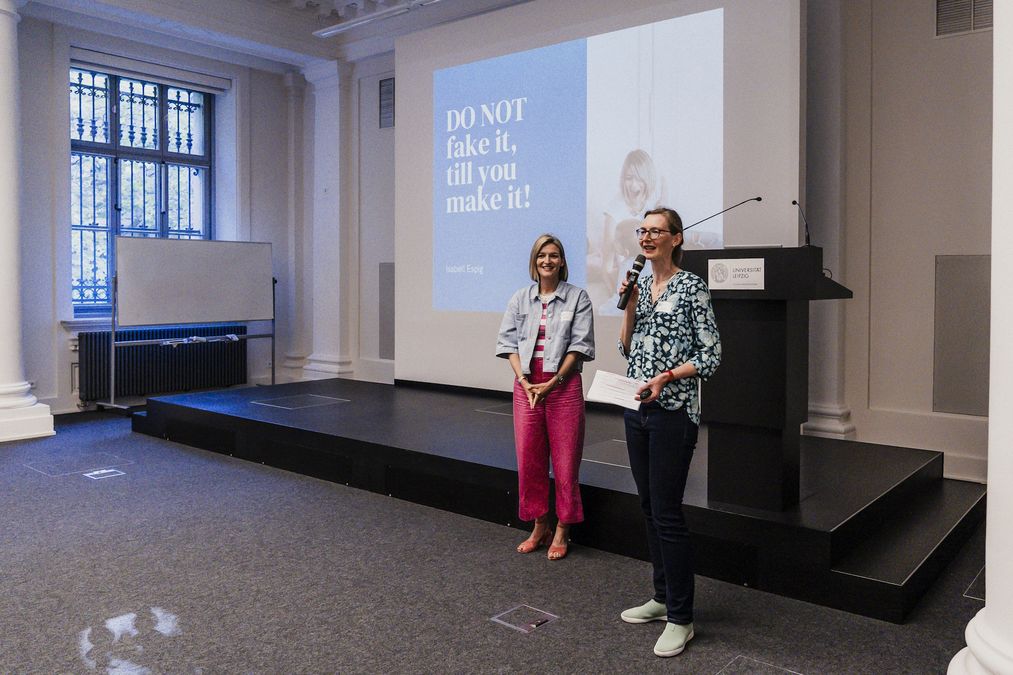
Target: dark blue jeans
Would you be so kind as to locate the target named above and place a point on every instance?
(661, 444)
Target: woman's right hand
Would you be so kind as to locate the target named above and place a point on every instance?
(529, 389)
(631, 307)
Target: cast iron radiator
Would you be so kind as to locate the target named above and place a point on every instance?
(158, 369)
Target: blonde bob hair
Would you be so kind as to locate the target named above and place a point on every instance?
(541, 243)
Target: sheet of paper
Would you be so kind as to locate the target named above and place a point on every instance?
(614, 389)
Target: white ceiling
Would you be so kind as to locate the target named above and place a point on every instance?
(279, 32)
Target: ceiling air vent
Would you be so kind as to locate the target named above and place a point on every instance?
(962, 16)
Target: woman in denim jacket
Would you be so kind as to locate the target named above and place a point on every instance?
(547, 333)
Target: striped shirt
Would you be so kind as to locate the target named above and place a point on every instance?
(540, 340)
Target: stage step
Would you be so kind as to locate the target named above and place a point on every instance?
(913, 473)
(892, 568)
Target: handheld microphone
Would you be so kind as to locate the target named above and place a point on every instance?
(631, 277)
(804, 221)
(751, 199)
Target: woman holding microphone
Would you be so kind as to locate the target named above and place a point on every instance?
(670, 340)
(547, 333)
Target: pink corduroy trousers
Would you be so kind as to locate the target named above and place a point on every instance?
(553, 428)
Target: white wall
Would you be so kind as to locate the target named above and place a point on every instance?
(46, 352)
(917, 184)
(373, 204)
(268, 144)
(251, 177)
(823, 204)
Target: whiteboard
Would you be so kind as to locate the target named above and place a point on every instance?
(173, 281)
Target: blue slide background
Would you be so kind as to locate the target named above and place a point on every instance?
(551, 157)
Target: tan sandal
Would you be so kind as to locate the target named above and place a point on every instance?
(531, 544)
(559, 551)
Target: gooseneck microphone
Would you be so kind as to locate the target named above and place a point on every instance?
(631, 276)
(752, 199)
(804, 221)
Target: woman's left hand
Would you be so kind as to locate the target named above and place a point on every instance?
(653, 388)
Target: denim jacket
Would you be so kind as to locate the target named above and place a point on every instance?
(569, 327)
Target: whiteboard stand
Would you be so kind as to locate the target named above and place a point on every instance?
(274, 313)
(111, 403)
(238, 270)
(174, 342)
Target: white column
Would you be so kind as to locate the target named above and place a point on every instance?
(21, 415)
(824, 203)
(989, 634)
(295, 286)
(329, 294)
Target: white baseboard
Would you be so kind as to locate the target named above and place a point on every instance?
(31, 421)
(291, 368)
(375, 370)
(323, 366)
(829, 421)
(965, 467)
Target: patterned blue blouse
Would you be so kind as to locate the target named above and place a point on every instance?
(679, 328)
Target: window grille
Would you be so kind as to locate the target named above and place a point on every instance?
(954, 17)
(140, 166)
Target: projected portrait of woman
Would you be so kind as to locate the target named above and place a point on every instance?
(655, 135)
(640, 189)
(547, 333)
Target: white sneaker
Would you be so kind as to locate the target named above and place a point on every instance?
(649, 611)
(673, 640)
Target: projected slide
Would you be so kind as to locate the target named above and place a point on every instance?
(577, 139)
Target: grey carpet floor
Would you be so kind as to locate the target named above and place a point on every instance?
(193, 562)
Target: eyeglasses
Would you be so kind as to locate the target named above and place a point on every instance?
(652, 233)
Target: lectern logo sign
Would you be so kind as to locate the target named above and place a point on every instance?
(736, 274)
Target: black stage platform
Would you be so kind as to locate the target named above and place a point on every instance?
(874, 527)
